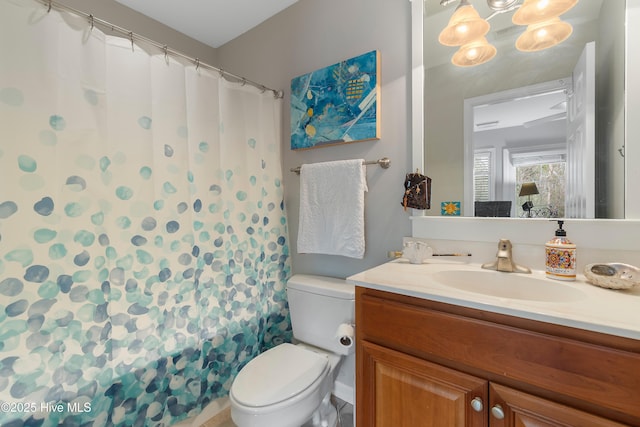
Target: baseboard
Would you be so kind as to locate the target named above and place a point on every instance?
(216, 414)
(219, 419)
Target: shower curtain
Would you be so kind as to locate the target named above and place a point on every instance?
(143, 237)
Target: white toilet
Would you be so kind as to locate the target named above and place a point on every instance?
(290, 385)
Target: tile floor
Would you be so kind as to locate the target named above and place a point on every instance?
(346, 416)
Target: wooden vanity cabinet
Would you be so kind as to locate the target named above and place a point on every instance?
(427, 364)
(404, 391)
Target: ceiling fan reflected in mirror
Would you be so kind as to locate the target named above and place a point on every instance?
(558, 112)
(510, 111)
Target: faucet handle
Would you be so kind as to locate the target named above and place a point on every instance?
(504, 248)
(504, 260)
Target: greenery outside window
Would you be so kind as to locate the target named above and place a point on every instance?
(550, 180)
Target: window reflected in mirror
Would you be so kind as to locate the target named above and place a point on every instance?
(549, 179)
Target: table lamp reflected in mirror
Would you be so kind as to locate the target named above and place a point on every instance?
(528, 189)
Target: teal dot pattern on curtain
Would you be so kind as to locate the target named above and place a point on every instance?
(143, 237)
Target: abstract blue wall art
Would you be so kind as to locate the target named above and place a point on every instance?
(336, 104)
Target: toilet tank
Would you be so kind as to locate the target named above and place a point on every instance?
(318, 306)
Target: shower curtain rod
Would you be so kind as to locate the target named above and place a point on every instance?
(163, 47)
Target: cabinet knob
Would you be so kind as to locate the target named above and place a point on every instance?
(477, 404)
(497, 412)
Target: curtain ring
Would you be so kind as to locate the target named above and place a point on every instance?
(263, 88)
(197, 63)
(131, 38)
(244, 81)
(165, 49)
(91, 22)
(50, 5)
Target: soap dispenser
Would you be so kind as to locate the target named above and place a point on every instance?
(561, 256)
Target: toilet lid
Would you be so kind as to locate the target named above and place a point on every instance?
(277, 374)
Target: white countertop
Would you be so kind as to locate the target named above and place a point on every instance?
(614, 312)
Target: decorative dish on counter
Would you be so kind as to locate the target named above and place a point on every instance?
(612, 275)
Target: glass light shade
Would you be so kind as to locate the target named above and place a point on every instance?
(464, 26)
(543, 35)
(477, 52)
(533, 11)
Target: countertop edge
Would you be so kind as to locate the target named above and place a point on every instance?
(469, 301)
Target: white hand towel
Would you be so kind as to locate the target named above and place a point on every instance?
(332, 208)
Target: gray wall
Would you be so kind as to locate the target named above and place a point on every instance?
(312, 34)
(610, 130)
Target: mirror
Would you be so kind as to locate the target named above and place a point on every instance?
(454, 97)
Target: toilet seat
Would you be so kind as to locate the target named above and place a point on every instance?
(277, 375)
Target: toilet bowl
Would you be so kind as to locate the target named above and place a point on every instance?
(290, 385)
(283, 387)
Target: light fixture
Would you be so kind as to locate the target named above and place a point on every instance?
(543, 35)
(533, 11)
(464, 26)
(477, 52)
(502, 6)
(528, 189)
(468, 30)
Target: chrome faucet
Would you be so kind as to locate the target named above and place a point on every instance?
(504, 260)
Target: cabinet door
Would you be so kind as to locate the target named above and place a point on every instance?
(512, 408)
(398, 390)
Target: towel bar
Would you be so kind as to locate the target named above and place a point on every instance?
(384, 163)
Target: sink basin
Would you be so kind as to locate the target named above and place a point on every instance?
(509, 285)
